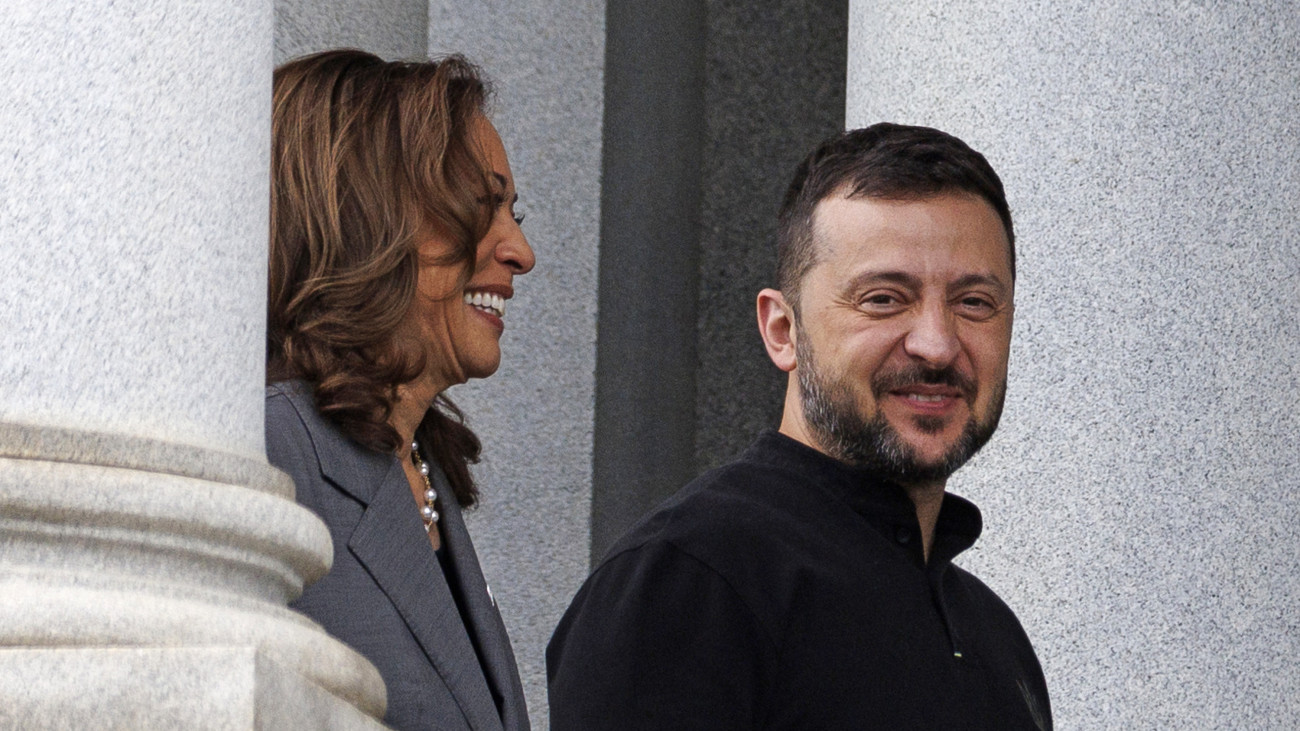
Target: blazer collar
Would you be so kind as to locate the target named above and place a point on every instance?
(356, 470)
(390, 542)
(484, 620)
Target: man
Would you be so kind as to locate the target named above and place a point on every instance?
(809, 584)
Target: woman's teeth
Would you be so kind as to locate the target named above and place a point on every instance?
(486, 301)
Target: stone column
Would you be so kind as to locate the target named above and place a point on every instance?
(651, 143)
(1141, 499)
(391, 29)
(532, 528)
(147, 550)
(709, 106)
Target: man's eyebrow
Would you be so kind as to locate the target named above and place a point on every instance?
(969, 280)
(901, 278)
(912, 281)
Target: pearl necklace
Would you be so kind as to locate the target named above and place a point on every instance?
(429, 512)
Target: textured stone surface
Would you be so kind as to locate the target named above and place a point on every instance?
(649, 261)
(101, 556)
(774, 88)
(391, 29)
(64, 444)
(705, 118)
(535, 414)
(133, 218)
(155, 688)
(1141, 501)
(136, 505)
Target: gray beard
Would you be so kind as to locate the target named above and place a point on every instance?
(831, 410)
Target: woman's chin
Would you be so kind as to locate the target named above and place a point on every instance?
(482, 367)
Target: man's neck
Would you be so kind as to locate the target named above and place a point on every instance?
(927, 497)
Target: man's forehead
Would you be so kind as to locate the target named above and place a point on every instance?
(848, 226)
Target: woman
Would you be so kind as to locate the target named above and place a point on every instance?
(394, 244)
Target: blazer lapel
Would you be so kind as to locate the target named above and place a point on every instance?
(484, 618)
(390, 542)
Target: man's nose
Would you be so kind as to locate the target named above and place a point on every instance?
(933, 337)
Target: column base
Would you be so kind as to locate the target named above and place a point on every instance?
(164, 687)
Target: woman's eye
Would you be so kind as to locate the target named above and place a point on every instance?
(510, 204)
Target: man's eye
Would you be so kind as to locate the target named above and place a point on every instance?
(977, 306)
(880, 300)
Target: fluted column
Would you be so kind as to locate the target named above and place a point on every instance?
(142, 532)
(1142, 498)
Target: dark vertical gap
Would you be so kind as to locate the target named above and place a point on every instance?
(774, 87)
(646, 364)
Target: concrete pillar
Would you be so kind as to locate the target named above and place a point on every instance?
(147, 550)
(535, 415)
(1141, 499)
(391, 29)
(709, 107)
(774, 88)
(651, 143)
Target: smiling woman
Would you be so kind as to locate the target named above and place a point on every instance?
(394, 246)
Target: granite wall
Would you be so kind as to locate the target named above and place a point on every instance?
(651, 143)
(774, 88)
(709, 107)
(147, 549)
(391, 29)
(535, 415)
(1141, 502)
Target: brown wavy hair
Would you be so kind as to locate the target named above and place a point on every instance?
(368, 157)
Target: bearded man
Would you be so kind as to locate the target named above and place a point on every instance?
(810, 584)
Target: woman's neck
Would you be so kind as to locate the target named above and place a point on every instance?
(413, 401)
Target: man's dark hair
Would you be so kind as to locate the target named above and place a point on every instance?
(886, 161)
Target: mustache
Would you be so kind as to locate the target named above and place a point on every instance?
(920, 375)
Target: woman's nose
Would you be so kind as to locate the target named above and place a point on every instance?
(514, 251)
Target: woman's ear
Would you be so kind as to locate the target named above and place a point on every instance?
(776, 325)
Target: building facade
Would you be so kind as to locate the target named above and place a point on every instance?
(1141, 500)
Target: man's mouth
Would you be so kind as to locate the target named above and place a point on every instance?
(926, 389)
(926, 395)
(924, 398)
(492, 304)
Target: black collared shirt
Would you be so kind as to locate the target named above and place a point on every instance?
(789, 591)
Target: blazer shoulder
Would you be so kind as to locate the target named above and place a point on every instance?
(303, 443)
(289, 443)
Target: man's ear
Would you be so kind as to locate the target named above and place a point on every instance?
(776, 325)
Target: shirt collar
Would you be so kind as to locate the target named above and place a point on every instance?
(884, 504)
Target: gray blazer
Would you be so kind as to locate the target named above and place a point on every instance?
(386, 594)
